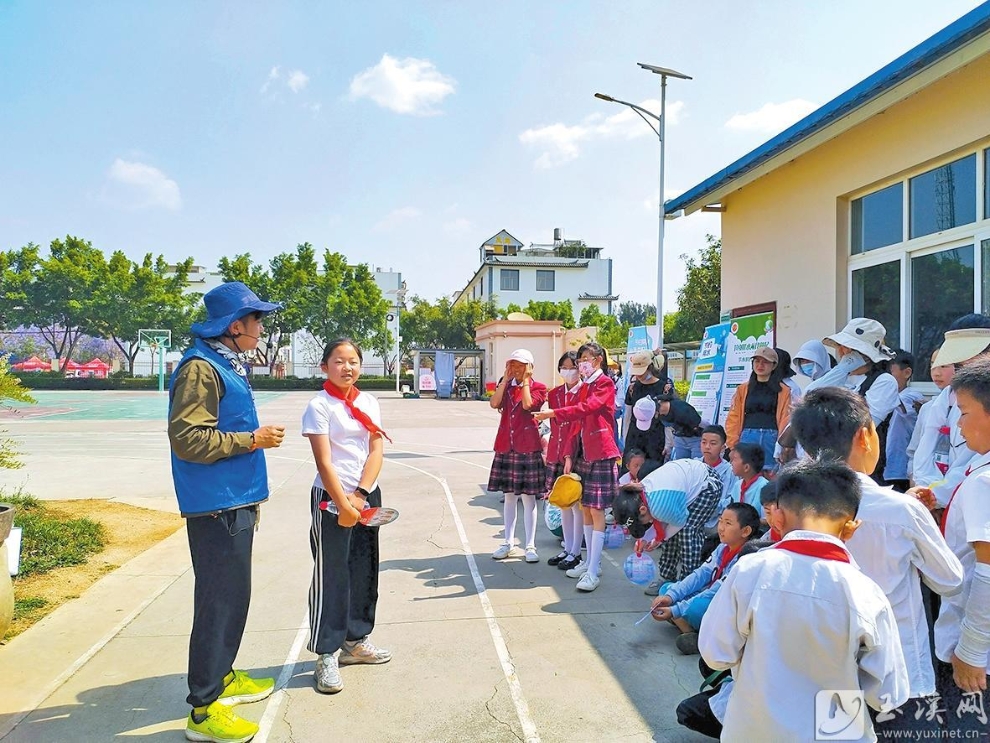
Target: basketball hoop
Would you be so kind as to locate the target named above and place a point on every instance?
(155, 340)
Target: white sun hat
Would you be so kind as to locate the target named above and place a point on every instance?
(863, 335)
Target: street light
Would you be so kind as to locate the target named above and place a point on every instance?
(659, 130)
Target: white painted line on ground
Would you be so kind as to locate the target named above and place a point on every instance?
(83, 659)
(485, 467)
(288, 668)
(530, 733)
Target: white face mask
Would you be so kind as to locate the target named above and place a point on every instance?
(586, 368)
(570, 376)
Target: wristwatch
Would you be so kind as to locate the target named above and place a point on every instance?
(362, 491)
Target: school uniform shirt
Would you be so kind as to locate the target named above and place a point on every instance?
(702, 582)
(968, 521)
(790, 625)
(518, 430)
(749, 493)
(350, 442)
(729, 479)
(943, 412)
(898, 539)
(563, 434)
(902, 424)
(596, 414)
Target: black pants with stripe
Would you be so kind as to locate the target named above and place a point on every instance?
(220, 547)
(344, 592)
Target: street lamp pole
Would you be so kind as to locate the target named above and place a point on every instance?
(660, 131)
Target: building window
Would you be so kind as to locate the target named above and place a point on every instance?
(942, 290)
(878, 219)
(508, 279)
(481, 287)
(944, 197)
(876, 293)
(986, 184)
(544, 281)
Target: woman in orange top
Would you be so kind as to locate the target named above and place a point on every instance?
(761, 407)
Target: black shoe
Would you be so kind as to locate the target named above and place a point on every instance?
(555, 560)
(687, 643)
(569, 563)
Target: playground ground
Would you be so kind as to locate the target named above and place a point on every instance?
(483, 651)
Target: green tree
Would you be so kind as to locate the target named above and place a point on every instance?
(10, 390)
(442, 324)
(344, 301)
(561, 311)
(699, 299)
(637, 313)
(611, 333)
(130, 297)
(572, 249)
(59, 298)
(16, 270)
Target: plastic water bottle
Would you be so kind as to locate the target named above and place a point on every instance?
(615, 536)
(553, 519)
(640, 569)
(942, 448)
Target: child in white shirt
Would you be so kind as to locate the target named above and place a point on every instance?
(800, 617)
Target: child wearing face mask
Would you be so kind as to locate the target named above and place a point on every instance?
(561, 452)
(518, 469)
(595, 462)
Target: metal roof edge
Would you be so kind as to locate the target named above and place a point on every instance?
(958, 33)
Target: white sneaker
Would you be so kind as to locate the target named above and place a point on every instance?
(578, 570)
(502, 552)
(609, 518)
(532, 555)
(588, 582)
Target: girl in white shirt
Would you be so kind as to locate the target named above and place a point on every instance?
(343, 426)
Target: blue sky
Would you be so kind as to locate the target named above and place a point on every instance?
(404, 134)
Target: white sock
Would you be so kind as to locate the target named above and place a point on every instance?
(567, 519)
(509, 515)
(577, 531)
(595, 553)
(588, 531)
(529, 520)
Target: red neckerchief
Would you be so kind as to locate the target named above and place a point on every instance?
(356, 413)
(814, 548)
(945, 513)
(745, 486)
(723, 562)
(774, 535)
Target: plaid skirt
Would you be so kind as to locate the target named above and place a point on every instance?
(518, 472)
(554, 471)
(599, 482)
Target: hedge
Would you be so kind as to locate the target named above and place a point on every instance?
(50, 381)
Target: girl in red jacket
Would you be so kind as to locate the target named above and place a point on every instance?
(595, 463)
(518, 468)
(560, 458)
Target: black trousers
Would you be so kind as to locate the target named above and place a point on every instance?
(915, 715)
(696, 714)
(220, 547)
(344, 591)
(962, 711)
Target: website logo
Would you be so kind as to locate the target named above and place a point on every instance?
(840, 715)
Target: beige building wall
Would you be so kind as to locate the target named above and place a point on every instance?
(543, 338)
(785, 236)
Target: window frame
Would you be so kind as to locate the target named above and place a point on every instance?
(553, 279)
(502, 274)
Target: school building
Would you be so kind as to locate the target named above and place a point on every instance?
(877, 204)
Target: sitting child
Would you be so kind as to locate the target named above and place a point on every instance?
(684, 603)
(800, 617)
(747, 460)
(678, 499)
(713, 454)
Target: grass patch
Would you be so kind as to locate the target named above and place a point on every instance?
(51, 539)
(29, 608)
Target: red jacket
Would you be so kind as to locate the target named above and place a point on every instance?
(563, 434)
(597, 416)
(518, 431)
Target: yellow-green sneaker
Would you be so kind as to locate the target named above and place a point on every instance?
(243, 689)
(220, 726)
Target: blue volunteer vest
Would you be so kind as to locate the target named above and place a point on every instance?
(239, 480)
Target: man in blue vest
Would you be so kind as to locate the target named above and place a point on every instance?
(220, 477)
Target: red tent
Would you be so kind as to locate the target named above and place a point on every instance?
(71, 365)
(33, 364)
(96, 367)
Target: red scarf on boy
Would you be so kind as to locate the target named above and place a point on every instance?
(814, 548)
(723, 562)
(356, 413)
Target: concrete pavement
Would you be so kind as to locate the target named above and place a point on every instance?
(483, 651)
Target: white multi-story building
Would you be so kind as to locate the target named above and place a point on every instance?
(511, 273)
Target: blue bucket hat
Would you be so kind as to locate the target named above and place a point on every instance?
(227, 303)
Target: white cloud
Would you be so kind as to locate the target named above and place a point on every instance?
(273, 76)
(297, 80)
(561, 142)
(397, 218)
(406, 86)
(313, 108)
(772, 117)
(138, 186)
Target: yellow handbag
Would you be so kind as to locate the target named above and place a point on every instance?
(566, 491)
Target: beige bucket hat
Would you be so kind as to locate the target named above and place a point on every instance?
(863, 335)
